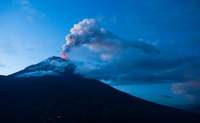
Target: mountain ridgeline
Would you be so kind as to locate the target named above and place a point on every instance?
(50, 92)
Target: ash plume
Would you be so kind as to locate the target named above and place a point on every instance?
(90, 34)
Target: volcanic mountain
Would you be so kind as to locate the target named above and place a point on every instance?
(51, 92)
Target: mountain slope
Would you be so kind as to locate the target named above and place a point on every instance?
(70, 98)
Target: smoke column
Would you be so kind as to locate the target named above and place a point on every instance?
(90, 34)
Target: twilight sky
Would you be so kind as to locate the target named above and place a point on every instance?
(155, 43)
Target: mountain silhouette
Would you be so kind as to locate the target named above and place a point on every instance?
(51, 92)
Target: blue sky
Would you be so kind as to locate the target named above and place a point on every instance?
(32, 30)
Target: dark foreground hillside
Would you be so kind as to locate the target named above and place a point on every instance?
(73, 99)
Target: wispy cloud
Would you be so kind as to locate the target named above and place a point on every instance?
(2, 65)
(166, 97)
(191, 90)
(30, 11)
(6, 46)
(24, 2)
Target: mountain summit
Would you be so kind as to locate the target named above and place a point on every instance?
(50, 92)
(53, 66)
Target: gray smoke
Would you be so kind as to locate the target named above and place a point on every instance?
(90, 34)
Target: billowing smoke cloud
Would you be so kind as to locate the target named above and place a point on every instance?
(90, 34)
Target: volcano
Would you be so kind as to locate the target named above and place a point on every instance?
(53, 66)
(51, 92)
